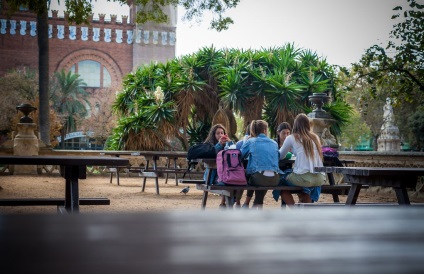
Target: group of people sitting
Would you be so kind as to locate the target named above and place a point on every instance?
(263, 154)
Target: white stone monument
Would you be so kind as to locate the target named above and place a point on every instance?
(389, 133)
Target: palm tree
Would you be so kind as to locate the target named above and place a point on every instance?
(70, 100)
(271, 84)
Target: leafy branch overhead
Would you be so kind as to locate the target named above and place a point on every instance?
(401, 61)
(153, 11)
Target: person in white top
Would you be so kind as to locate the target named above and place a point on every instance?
(306, 146)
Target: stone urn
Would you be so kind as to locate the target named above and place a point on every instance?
(26, 109)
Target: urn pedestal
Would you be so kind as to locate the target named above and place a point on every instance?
(25, 143)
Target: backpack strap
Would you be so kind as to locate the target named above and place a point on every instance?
(191, 164)
(229, 160)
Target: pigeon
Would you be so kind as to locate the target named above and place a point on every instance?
(185, 190)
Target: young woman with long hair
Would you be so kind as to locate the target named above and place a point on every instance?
(218, 137)
(306, 146)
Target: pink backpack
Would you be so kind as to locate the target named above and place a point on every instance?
(230, 168)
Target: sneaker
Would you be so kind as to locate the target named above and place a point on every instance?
(245, 206)
(222, 206)
(237, 206)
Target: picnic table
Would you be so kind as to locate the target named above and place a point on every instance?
(230, 192)
(398, 178)
(151, 169)
(345, 240)
(73, 167)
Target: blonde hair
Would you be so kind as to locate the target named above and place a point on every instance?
(303, 134)
(211, 136)
(257, 127)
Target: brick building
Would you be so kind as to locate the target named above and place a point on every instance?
(102, 52)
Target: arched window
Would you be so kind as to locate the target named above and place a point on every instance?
(93, 73)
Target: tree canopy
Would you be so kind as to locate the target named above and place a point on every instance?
(181, 97)
(400, 64)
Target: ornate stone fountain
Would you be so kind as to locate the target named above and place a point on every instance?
(321, 120)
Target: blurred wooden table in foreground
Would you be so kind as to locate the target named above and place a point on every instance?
(313, 240)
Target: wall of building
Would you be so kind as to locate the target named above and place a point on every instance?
(118, 44)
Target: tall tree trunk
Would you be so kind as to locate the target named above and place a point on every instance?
(43, 71)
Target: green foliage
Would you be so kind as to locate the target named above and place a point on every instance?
(198, 132)
(155, 11)
(416, 123)
(271, 84)
(395, 71)
(341, 112)
(69, 98)
(354, 131)
(17, 86)
(405, 70)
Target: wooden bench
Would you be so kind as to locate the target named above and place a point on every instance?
(72, 169)
(230, 191)
(59, 202)
(151, 169)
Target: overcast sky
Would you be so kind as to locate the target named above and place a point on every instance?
(339, 30)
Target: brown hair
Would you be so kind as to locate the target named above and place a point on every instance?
(211, 136)
(283, 125)
(303, 134)
(257, 127)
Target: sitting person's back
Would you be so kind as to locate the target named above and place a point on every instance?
(307, 147)
(262, 168)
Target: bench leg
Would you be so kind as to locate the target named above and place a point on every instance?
(144, 179)
(336, 198)
(229, 200)
(352, 197)
(166, 174)
(111, 177)
(402, 195)
(117, 175)
(157, 177)
(204, 199)
(176, 174)
(61, 210)
(332, 183)
(71, 189)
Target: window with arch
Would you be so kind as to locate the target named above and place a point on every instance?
(93, 73)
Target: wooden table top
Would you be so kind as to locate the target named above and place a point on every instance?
(178, 154)
(303, 240)
(62, 160)
(374, 171)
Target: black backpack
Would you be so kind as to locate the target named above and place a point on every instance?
(199, 151)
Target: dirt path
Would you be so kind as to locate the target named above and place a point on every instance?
(128, 196)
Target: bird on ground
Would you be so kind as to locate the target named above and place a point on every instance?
(185, 190)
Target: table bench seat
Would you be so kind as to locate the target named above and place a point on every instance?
(59, 202)
(230, 191)
(341, 189)
(51, 201)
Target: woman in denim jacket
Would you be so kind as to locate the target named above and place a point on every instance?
(262, 168)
